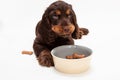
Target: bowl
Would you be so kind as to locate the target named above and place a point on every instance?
(72, 66)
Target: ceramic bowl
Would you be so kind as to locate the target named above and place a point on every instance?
(71, 65)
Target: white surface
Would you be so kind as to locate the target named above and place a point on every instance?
(18, 19)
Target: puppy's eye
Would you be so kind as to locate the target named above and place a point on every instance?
(55, 17)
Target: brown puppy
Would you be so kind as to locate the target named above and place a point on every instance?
(57, 27)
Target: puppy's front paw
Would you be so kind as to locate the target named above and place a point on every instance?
(45, 59)
(84, 31)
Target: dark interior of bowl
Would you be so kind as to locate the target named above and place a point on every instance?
(63, 51)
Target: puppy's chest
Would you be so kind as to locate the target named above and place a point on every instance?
(58, 42)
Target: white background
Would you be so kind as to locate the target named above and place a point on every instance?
(18, 19)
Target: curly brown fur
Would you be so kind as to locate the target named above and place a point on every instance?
(57, 27)
(45, 58)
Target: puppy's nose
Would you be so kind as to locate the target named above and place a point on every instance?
(66, 30)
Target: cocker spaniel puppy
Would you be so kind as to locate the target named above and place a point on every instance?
(57, 27)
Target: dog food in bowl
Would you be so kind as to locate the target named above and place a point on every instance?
(75, 56)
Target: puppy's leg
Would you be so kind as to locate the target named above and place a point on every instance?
(43, 55)
(81, 32)
(45, 58)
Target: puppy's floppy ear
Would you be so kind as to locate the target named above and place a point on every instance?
(75, 34)
(44, 28)
(45, 20)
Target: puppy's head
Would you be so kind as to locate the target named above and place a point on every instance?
(61, 19)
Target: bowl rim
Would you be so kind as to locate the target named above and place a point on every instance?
(71, 46)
